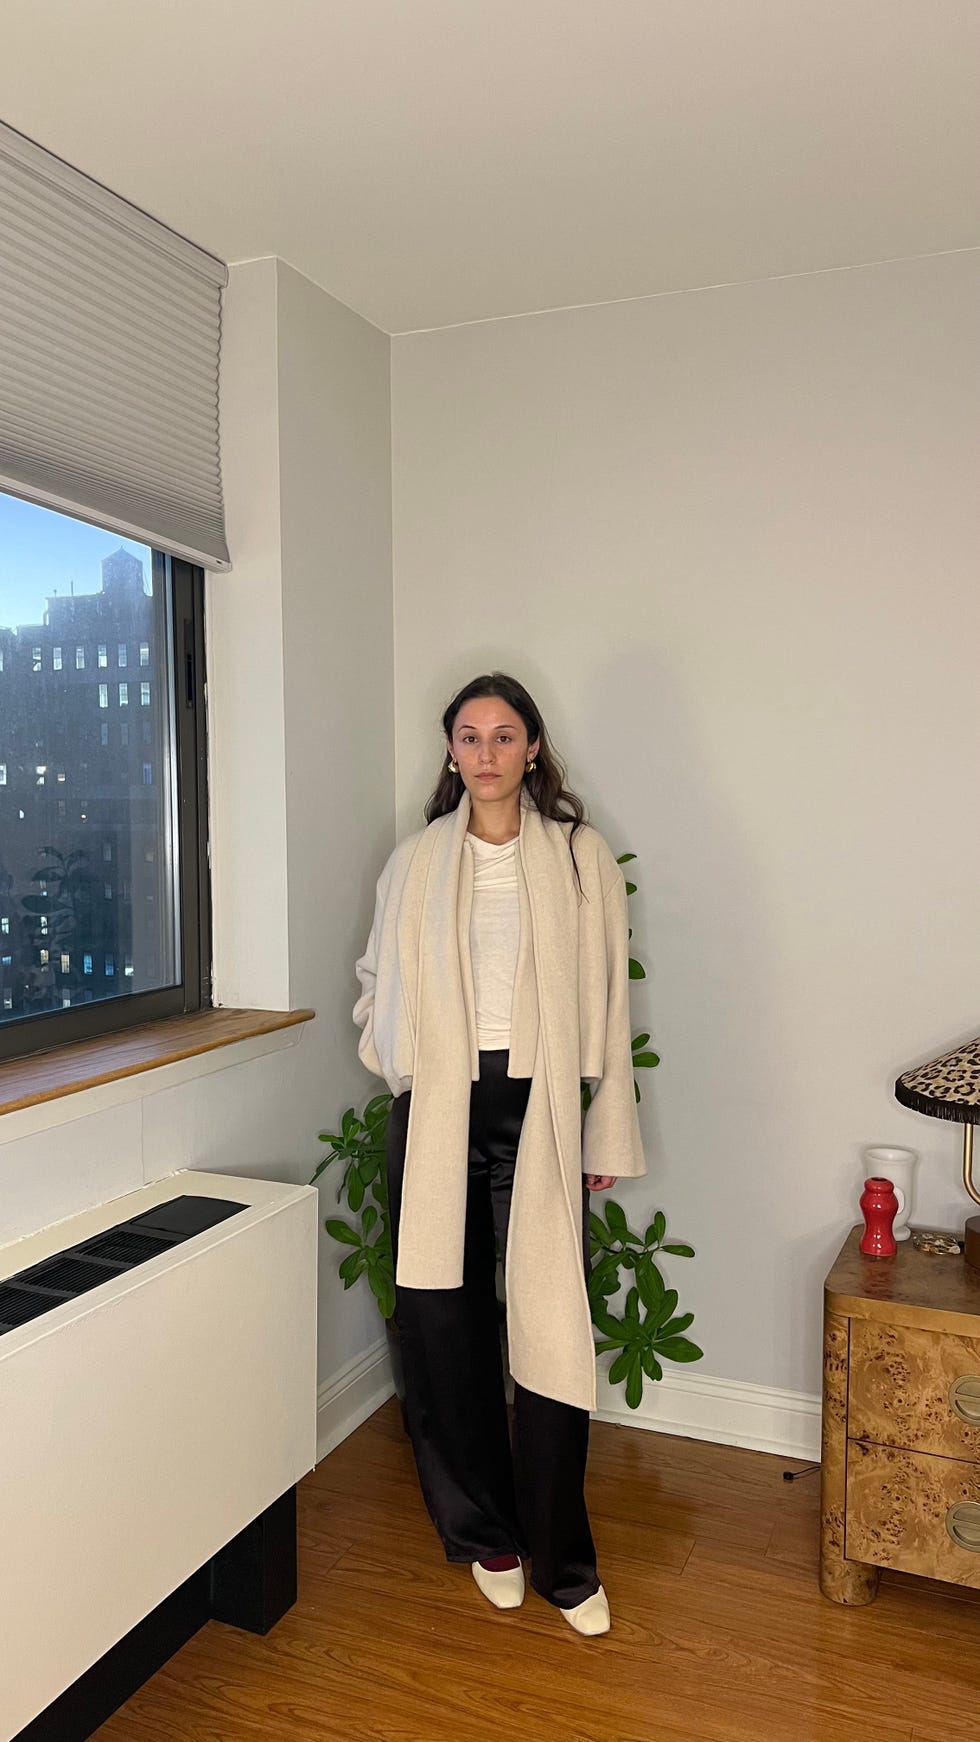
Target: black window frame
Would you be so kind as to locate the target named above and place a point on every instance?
(24, 1036)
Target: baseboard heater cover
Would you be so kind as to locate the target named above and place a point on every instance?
(30, 1293)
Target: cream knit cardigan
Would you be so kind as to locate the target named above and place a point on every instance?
(570, 1020)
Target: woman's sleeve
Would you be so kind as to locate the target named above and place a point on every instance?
(366, 970)
(611, 1141)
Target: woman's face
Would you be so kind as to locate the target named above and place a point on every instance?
(490, 746)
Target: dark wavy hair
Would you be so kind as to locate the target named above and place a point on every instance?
(545, 782)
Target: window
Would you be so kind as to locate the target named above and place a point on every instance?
(105, 895)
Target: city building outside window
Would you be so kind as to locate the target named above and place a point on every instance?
(73, 795)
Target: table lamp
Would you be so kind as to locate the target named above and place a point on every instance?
(949, 1088)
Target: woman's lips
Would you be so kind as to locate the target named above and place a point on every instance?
(487, 777)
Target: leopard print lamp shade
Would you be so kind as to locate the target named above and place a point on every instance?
(947, 1087)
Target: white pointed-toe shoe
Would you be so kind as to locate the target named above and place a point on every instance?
(590, 1617)
(503, 1590)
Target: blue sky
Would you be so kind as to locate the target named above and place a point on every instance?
(42, 553)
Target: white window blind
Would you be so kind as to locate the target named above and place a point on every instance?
(109, 339)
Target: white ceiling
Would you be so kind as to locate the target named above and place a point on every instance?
(435, 161)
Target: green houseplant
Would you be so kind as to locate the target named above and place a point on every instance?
(649, 1332)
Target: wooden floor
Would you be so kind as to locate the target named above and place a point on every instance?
(719, 1631)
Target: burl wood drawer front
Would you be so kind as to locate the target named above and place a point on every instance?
(912, 1389)
(901, 1507)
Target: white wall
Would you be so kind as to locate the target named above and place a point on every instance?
(302, 779)
(728, 538)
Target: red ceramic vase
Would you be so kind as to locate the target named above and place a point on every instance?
(879, 1206)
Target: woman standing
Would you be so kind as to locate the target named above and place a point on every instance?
(495, 979)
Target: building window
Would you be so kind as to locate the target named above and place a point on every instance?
(6, 961)
(44, 958)
(8, 1000)
(5, 923)
(147, 930)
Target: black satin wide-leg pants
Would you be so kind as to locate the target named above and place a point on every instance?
(484, 1497)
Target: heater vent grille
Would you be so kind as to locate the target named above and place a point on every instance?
(81, 1268)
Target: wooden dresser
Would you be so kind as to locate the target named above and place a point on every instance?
(901, 1421)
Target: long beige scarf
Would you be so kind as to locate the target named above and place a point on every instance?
(549, 1320)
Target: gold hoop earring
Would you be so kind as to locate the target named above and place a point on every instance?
(452, 766)
(530, 766)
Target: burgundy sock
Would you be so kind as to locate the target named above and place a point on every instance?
(501, 1563)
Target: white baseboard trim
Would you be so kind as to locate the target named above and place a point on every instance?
(350, 1396)
(726, 1411)
(694, 1406)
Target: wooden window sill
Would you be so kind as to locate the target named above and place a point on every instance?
(85, 1064)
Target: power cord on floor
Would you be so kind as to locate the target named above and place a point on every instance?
(794, 1475)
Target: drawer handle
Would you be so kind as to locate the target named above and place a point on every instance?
(964, 1397)
(963, 1525)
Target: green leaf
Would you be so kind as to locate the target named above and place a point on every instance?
(341, 1231)
(624, 858)
(621, 1366)
(639, 1040)
(383, 1290)
(636, 1091)
(634, 1384)
(349, 1124)
(607, 1323)
(650, 1284)
(329, 1137)
(663, 1310)
(679, 1349)
(645, 1061)
(351, 1267)
(633, 1305)
(631, 888)
(598, 1230)
(355, 1189)
(659, 1226)
(637, 971)
(608, 1343)
(651, 1366)
(676, 1326)
(616, 1220)
(680, 1251)
(368, 1220)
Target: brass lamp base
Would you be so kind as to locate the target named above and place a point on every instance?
(971, 1248)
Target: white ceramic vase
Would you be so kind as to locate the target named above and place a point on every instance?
(898, 1165)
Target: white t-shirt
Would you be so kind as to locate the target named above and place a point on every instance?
(495, 928)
